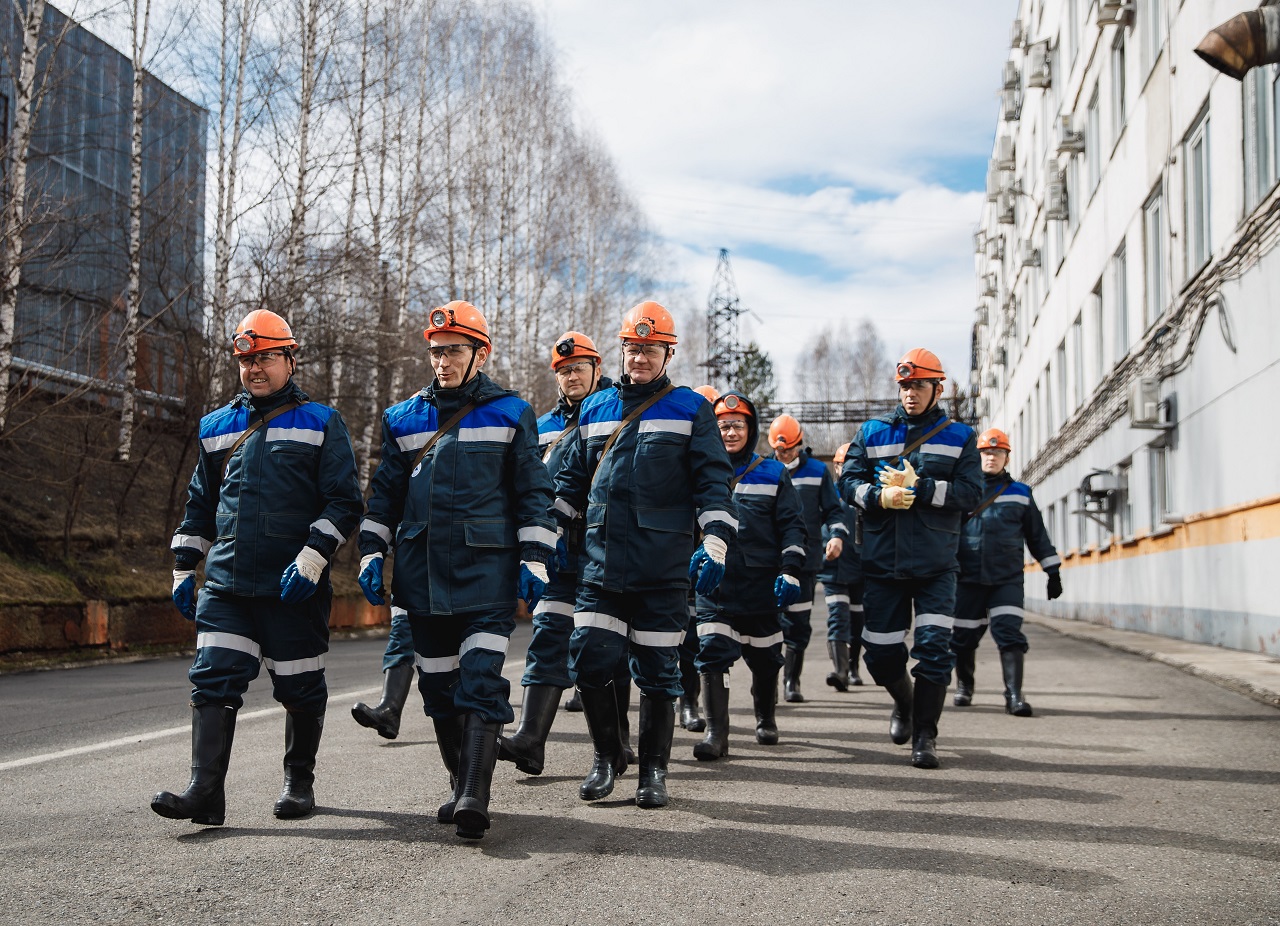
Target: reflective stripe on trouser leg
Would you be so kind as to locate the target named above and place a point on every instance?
(228, 655)
(761, 637)
(655, 621)
(719, 645)
(598, 641)
(689, 646)
(887, 616)
(971, 615)
(294, 640)
(547, 659)
(399, 650)
(460, 658)
(796, 629)
(935, 607)
(1004, 607)
(837, 611)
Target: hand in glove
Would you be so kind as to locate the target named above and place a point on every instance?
(300, 578)
(533, 582)
(371, 579)
(184, 592)
(896, 498)
(787, 590)
(835, 546)
(706, 568)
(905, 477)
(562, 552)
(1055, 585)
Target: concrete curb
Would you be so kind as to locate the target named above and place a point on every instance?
(1251, 674)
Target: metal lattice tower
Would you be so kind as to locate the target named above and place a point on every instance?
(723, 308)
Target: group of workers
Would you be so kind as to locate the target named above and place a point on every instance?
(639, 524)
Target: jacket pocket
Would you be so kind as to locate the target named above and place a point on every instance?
(948, 522)
(226, 526)
(492, 533)
(669, 520)
(410, 529)
(288, 526)
(595, 515)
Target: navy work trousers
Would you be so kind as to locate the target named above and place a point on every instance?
(888, 605)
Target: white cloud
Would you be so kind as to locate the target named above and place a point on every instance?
(813, 139)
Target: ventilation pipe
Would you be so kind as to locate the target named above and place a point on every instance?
(1244, 42)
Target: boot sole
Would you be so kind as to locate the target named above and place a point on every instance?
(594, 796)
(704, 753)
(767, 739)
(471, 822)
(652, 801)
(961, 702)
(384, 731)
(292, 811)
(695, 726)
(794, 699)
(926, 761)
(175, 813)
(522, 762)
(835, 682)
(1024, 711)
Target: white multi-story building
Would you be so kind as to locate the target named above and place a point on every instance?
(1128, 324)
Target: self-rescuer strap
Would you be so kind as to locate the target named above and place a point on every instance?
(733, 483)
(244, 435)
(440, 432)
(989, 501)
(644, 406)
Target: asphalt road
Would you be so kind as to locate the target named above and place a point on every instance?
(1138, 794)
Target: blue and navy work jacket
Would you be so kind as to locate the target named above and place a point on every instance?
(991, 549)
(821, 503)
(845, 569)
(291, 483)
(921, 541)
(476, 505)
(666, 477)
(771, 540)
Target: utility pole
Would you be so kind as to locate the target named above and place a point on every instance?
(723, 308)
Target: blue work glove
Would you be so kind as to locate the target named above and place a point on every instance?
(371, 579)
(787, 590)
(706, 567)
(562, 552)
(184, 592)
(1055, 585)
(533, 582)
(300, 578)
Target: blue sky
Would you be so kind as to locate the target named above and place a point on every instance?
(844, 177)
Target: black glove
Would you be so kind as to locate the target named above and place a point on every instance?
(1055, 585)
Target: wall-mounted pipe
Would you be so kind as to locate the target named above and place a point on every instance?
(1244, 42)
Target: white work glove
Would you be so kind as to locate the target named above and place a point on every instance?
(905, 477)
(310, 564)
(716, 548)
(538, 569)
(896, 498)
(835, 546)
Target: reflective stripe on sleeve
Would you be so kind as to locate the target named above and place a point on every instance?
(220, 441)
(860, 494)
(794, 549)
(565, 508)
(939, 493)
(710, 517)
(329, 529)
(191, 541)
(414, 441)
(537, 535)
(1050, 561)
(378, 530)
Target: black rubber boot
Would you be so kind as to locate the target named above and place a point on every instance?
(475, 770)
(301, 742)
(1011, 662)
(929, 698)
(855, 650)
(622, 691)
(527, 746)
(690, 719)
(839, 653)
(793, 664)
(715, 696)
(213, 727)
(600, 707)
(966, 659)
(574, 704)
(449, 739)
(764, 695)
(657, 724)
(385, 715)
(900, 719)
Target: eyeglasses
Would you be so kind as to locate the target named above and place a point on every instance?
(644, 350)
(263, 360)
(452, 351)
(583, 366)
(728, 426)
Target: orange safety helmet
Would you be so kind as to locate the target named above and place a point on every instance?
(460, 318)
(649, 322)
(841, 452)
(262, 330)
(710, 393)
(732, 403)
(994, 439)
(919, 363)
(785, 433)
(573, 345)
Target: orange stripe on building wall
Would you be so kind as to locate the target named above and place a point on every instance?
(1254, 520)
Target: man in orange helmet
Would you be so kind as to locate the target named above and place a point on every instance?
(462, 490)
(842, 588)
(647, 467)
(913, 475)
(576, 364)
(991, 573)
(822, 512)
(273, 496)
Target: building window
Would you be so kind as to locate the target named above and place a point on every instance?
(1098, 320)
(1198, 204)
(1051, 516)
(1154, 234)
(1076, 346)
(1073, 29)
(1050, 425)
(1038, 418)
(1260, 134)
(1159, 483)
(1118, 113)
(1093, 142)
(1060, 413)
(1124, 504)
(1073, 195)
(1120, 301)
(1151, 20)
